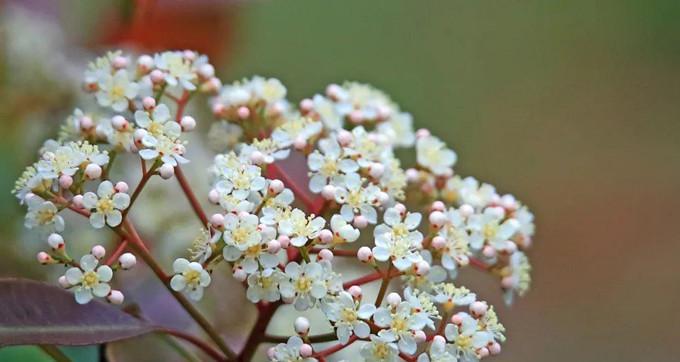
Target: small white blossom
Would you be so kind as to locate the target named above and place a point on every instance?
(380, 350)
(116, 90)
(190, 278)
(357, 199)
(433, 154)
(88, 280)
(327, 165)
(177, 69)
(397, 239)
(467, 338)
(264, 285)
(349, 316)
(290, 351)
(43, 214)
(300, 227)
(304, 284)
(241, 231)
(106, 205)
(399, 323)
(343, 231)
(491, 228)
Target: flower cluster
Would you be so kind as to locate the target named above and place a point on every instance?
(293, 190)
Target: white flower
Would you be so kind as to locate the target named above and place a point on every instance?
(399, 324)
(397, 239)
(253, 257)
(290, 351)
(433, 154)
(399, 130)
(116, 90)
(269, 150)
(158, 122)
(327, 111)
(380, 350)
(368, 147)
(241, 180)
(106, 205)
(87, 281)
(467, 337)
(296, 128)
(368, 101)
(300, 227)
(343, 231)
(304, 284)
(190, 278)
(43, 214)
(60, 160)
(264, 285)
(456, 250)
(177, 69)
(270, 90)
(241, 231)
(470, 191)
(349, 316)
(328, 166)
(439, 352)
(357, 199)
(518, 274)
(170, 151)
(489, 227)
(451, 296)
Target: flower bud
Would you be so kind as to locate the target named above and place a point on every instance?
(257, 157)
(326, 236)
(478, 308)
(63, 282)
(437, 219)
(422, 133)
(214, 196)
(356, 116)
(457, 319)
(438, 206)
(489, 251)
(144, 63)
(393, 299)
(273, 246)
(98, 251)
(306, 350)
(206, 71)
(299, 143)
(218, 109)
(364, 254)
(510, 247)
(65, 181)
(325, 254)
(276, 186)
(93, 171)
(139, 134)
(495, 348)
(508, 282)
(411, 175)
(422, 268)
(466, 210)
(115, 297)
(271, 352)
(328, 192)
(55, 241)
(360, 221)
(301, 325)
(44, 258)
(438, 242)
(119, 62)
(438, 339)
(420, 336)
(306, 105)
(240, 274)
(188, 123)
(344, 137)
(217, 220)
(483, 352)
(284, 240)
(121, 186)
(355, 291)
(508, 201)
(119, 123)
(85, 123)
(212, 85)
(401, 209)
(166, 171)
(243, 112)
(149, 103)
(384, 112)
(333, 91)
(127, 260)
(157, 76)
(383, 197)
(376, 170)
(78, 201)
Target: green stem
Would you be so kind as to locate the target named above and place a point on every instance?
(55, 353)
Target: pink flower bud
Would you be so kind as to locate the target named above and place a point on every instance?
(273, 246)
(55, 241)
(139, 134)
(115, 297)
(457, 319)
(510, 247)
(157, 76)
(509, 202)
(438, 206)
(301, 325)
(284, 240)
(356, 116)
(478, 308)
(466, 210)
(63, 282)
(306, 105)
(437, 219)
(78, 201)
(121, 186)
(217, 220)
(127, 260)
(119, 62)
(355, 291)
(384, 112)
(276, 186)
(166, 171)
(376, 170)
(214, 196)
(212, 85)
(328, 192)
(422, 133)
(439, 339)
(98, 251)
(360, 221)
(401, 209)
(364, 254)
(393, 299)
(188, 123)
(65, 181)
(344, 137)
(422, 268)
(257, 157)
(489, 251)
(420, 336)
(218, 109)
(483, 352)
(383, 197)
(271, 351)
(495, 348)
(44, 258)
(325, 254)
(85, 123)
(144, 63)
(93, 171)
(243, 112)
(240, 274)
(411, 175)
(149, 103)
(206, 71)
(508, 282)
(333, 91)
(438, 242)
(189, 55)
(276, 109)
(299, 143)
(326, 236)
(306, 350)
(495, 211)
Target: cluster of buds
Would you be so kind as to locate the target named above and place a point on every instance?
(280, 231)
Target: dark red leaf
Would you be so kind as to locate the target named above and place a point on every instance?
(37, 313)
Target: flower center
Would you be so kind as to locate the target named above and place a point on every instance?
(464, 342)
(240, 235)
(303, 284)
(156, 128)
(192, 277)
(348, 315)
(490, 230)
(399, 324)
(105, 206)
(381, 351)
(45, 216)
(117, 91)
(90, 279)
(329, 167)
(400, 230)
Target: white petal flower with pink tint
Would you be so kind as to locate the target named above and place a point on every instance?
(87, 280)
(190, 278)
(106, 205)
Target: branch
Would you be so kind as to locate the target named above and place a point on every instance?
(198, 209)
(196, 342)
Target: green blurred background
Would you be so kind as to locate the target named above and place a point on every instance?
(573, 106)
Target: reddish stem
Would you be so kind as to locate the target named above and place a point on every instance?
(335, 348)
(406, 357)
(116, 253)
(266, 312)
(196, 342)
(478, 264)
(184, 184)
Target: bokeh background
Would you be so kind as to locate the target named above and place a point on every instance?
(573, 106)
